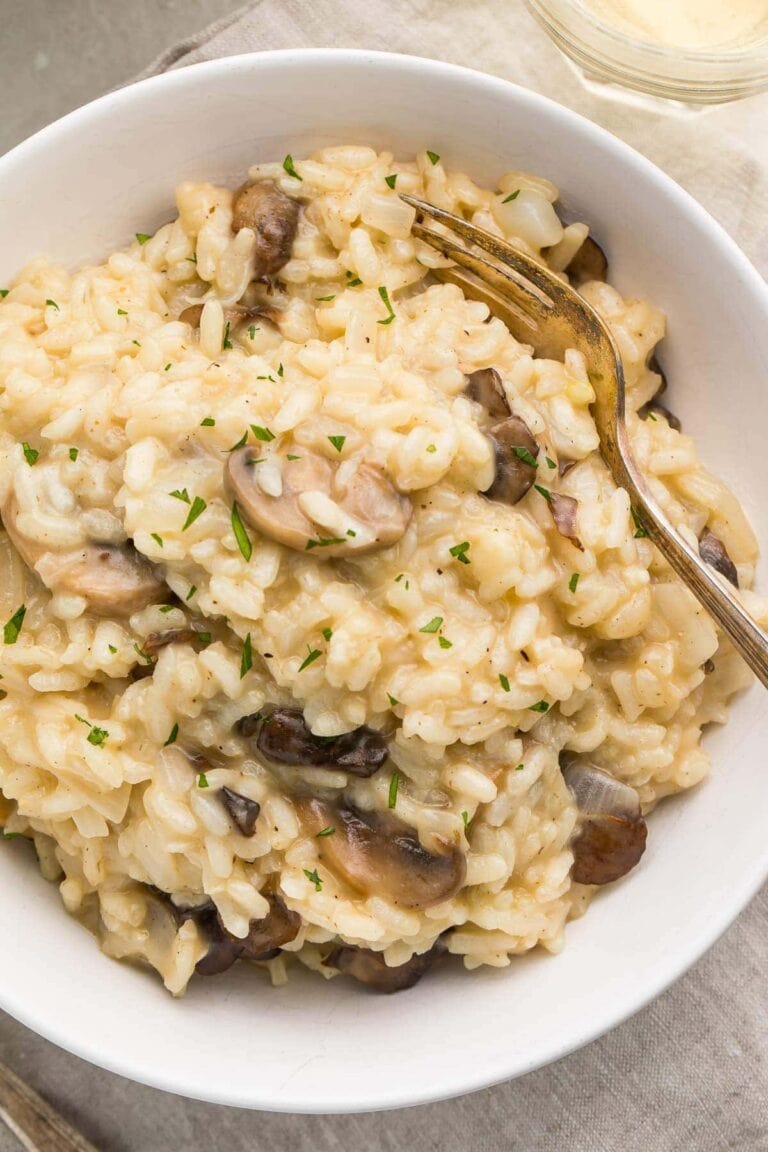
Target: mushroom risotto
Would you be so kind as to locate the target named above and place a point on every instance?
(328, 635)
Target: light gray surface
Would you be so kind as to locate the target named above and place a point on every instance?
(58, 54)
(688, 1074)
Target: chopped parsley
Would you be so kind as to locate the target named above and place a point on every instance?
(351, 532)
(545, 492)
(313, 878)
(30, 454)
(434, 625)
(323, 542)
(142, 237)
(3, 293)
(466, 819)
(573, 583)
(444, 643)
(242, 537)
(325, 299)
(550, 462)
(387, 304)
(338, 442)
(122, 312)
(202, 781)
(207, 422)
(641, 532)
(329, 831)
(265, 434)
(504, 681)
(166, 608)
(203, 638)
(97, 736)
(74, 453)
(280, 370)
(512, 196)
(652, 417)
(12, 629)
(112, 649)
(192, 590)
(246, 660)
(289, 168)
(431, 448)
(240, 442)
(327, 633)
(390, 181)
(13, 835)
(172, 736)
(167, 367)
(251, 330)
(392, 700)
(540, 706)
(460, 552)
(52, 304)
(434, 157)
(520, 768)
(312, 655)
(156, 538)
(524, 455)
(198, 507)
(180, 494)
(355, 283)
(292, 456)
(394, 784)
(226, 342)
(136, 343)
(145, 656)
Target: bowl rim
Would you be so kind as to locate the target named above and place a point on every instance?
(467, 1080)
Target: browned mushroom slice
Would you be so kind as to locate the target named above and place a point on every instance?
(283, 735)
(589, 263)
(564, 465)
(656, 367)
(377, 854)
(713, 551)
(278, 927)
(485, 387)
(652, 408)
(157, 640)
(516, 449)
(243, 811)
(564, 511)
(114, 579)
(377, 514)
(371, 969)
(274, 218)
(611, 835)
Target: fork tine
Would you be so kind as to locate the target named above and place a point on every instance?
(525, 266)
(506, 283)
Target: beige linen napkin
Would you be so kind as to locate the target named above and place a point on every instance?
(689, 1073)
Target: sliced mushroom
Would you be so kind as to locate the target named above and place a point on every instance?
(611, 834)
(713, 551)
(656, 367)
(370, 511)
(273, 217)
(157, 640)
(283, 735)
(264, 940)
(564, 511)
(515, 447)
(377, 854)
(371, 969)
(589, 263)
(564, 465)
(485, 387)
(652, 407)
(243, 810)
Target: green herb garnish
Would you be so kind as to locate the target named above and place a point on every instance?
(325, 299)
(3, 293)
(12, 629)
(180, 494)
(431, 448)
(541, 706)
(242, 537)
(387, 304)
(641, 532)
(574, 581)
(142, 237)
(112, 649)
(434, 157)
(207, 422)
(202, 781)
(198, 507)
(524, 455)
(142, 654)
(74, 453)
(289, 168)
(392, 700)
(433, 625)
(504, 681)
(264, 434)
(545, 492)
(96, 736)
(329, 831)
(122, 312)
(550, 462)
(338, 442)
(460, 552)
(191, 592)
(30, 454)
(252, 330)
(323, 542)
(156, 538)
(466, 819)
(312, 655)
(355, 283)
(53, 304)
(226, 342)
(313, 878)
(390, 181)
(246, 661)
(394, 784)
(327, 633)
(512, 196)
(240, 442)
(172, 737)
(444, 643)
(166, 608)
(280, 370)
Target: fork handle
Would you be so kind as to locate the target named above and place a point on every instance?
(34, 1122)
(710, 589)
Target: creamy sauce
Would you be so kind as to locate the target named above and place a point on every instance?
(695, 24)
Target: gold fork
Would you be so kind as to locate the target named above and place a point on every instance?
(541, 310)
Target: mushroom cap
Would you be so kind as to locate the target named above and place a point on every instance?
(243, 811)
(377, 854)
(589, 263)
(273, 217)
(283, 735)
(611, 835)
(367, 499)
(370, 968)
(565, 511)
(514, 476)
(485, 387)
(713, 551)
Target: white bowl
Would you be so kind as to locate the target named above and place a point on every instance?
(81, 188)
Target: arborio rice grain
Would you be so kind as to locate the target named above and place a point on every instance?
(117, 419)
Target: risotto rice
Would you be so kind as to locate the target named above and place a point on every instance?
(479, 645)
